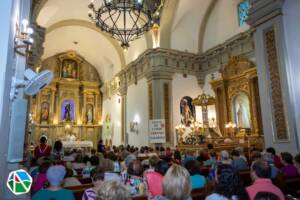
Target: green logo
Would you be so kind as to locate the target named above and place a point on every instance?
(19, 182)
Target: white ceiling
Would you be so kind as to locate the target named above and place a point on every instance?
(186, 25)
(58, 10)
(95, 49)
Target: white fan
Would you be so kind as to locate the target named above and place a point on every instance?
(34, 83)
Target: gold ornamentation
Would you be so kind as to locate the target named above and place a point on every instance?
(276, 93)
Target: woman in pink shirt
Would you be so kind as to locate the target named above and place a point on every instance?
(289, 168)
(41, 179)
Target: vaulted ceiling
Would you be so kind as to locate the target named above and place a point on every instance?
(183, 27)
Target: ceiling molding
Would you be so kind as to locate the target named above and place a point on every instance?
(166, 22)
(203, 25)
(89, 25)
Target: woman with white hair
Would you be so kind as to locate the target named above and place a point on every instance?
(55, 176)
(176, 184)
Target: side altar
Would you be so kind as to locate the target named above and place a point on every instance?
(229, 118)
(70, 105)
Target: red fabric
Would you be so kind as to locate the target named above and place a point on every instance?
(277, 162)
(42, 150)
(155, 183)
(39, 182)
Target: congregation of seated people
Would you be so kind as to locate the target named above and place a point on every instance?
(128, 172)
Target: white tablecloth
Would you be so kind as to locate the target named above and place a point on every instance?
(77, 144)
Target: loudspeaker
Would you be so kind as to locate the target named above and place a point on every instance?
(17, 131)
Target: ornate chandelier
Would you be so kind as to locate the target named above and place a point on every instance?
(126, 20)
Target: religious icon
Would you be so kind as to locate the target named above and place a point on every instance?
(69, 69)
(89, 114)
(67, 110)
(187, 111)
(241, 110)
(45, 111)
(67, 115)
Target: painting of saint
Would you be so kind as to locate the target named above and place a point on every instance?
(241, 111)
(89, 114)
(69, 69)
(187, 110)
(45, 111)
(67, 110)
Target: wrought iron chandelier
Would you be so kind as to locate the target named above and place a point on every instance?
(126, 20)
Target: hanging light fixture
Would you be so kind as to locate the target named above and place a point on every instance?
(126, 20)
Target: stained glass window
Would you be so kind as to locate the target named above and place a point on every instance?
(243, 9)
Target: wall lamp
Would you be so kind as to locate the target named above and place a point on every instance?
(23, 40)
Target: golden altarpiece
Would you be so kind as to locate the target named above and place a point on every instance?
(237, 97)
(71, 105)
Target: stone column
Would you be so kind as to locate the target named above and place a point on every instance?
(160, 83)
(274, 87)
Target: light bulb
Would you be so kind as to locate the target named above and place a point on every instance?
(24, 25)
(29, 30)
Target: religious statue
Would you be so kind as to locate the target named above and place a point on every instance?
(242, 111)
(67, 114)
(45, 111)
(187, 112)
(89, 115)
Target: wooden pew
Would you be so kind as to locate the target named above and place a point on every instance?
(140, 198)
(245, 177)
(78, 190)
(198, 194)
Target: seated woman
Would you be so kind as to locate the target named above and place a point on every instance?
(55, 176)
(176, 184)
(289, 168)
(154, 179)
(58, 151)
(108, 167)
(197, 180)
(135, 181)
(41, 179)
(70, 180)
(113, 190)
(98, 179)
(78, 162)
(228, 185)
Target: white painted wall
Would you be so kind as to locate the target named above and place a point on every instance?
(136, 48)
(113, 108)
(137, 110)
(222, 24)
(291, 18)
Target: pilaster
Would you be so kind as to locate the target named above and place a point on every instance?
(274, 90)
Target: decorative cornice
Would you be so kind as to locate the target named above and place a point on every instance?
(263, 10)
(161, 63)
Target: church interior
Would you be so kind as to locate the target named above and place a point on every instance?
(181, 81)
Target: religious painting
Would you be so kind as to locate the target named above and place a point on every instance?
(187, 111)
(241, 111)
(89, 113)
(67, 110)
(107, 128)
(69, 69)
(45, 112)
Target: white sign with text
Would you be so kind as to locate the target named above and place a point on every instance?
(157, 132)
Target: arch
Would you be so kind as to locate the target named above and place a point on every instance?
(203, 25)
(167, 18)
(90, 25)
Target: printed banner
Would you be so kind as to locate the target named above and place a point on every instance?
(157, 132)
